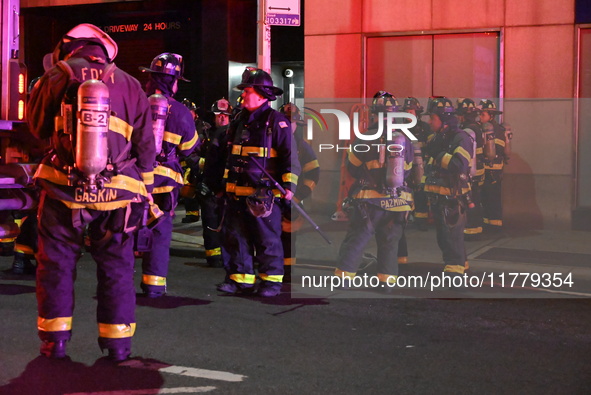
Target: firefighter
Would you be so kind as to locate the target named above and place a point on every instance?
(188, 192)
(253, 217)
(73, 197)
(447, 182)
(468, 118)
(381, 201)
(494, 161)
(179, 139)
(307, 181)
(222, 111)
(422, 132)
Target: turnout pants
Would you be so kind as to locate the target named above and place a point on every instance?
(365, 222)
(450, 221)
(210, 220)
(61, 237)
(474, 215)
(492, 201)
(247, 239)
(155, 262)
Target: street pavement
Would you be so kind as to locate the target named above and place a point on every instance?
(482, 338)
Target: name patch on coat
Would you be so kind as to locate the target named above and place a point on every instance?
(104, 195)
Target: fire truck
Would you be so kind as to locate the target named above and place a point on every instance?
(16, 193)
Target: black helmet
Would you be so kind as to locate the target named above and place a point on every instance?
(167, 63)
(189, 104)
(221, 106)
(412, 103)
(261, 81)
(466, 106)
(292, 112)
(489, 106)
(442, 107)
(384, 102)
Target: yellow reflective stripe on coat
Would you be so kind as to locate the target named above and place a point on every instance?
(344, 274)
(118, 182)
(445, 160)
(310, 166)
(213, 252)
(116, 331)
(373, 194)
(169, 173)
(242, 278)
(97, 206)
(121, 127)
(387, 278)
(374, 164)
(153, 280)
(495, 222)
(421, 215)
(189, 144)
(407, 166)
(495, 166)
(172, 138)
(127, 183)
(353, 159)
(245, 151)
(246, 191)
(290, 177)
(500, 142)
(454, 269)
(440, 190)
(164, 189)
(276, 278)
(148, 178)
(463, 152)
(58, 324)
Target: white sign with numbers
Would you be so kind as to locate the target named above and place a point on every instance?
(283, 12)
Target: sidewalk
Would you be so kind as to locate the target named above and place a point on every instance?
(512, 251)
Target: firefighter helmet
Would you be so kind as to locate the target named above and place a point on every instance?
(189, 104)
(81, 34)
(261, 81)
(221, 106)
(466, 106)
(489, 106)
(167, 63)
(412, 103)
(384, 102)
(292, 112)
(442, 107)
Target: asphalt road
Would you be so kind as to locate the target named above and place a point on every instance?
(347, 342)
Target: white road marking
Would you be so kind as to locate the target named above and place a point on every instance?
(185, 371)
(150, 391)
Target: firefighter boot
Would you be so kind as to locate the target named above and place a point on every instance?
(22, 264)
(55, 349)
